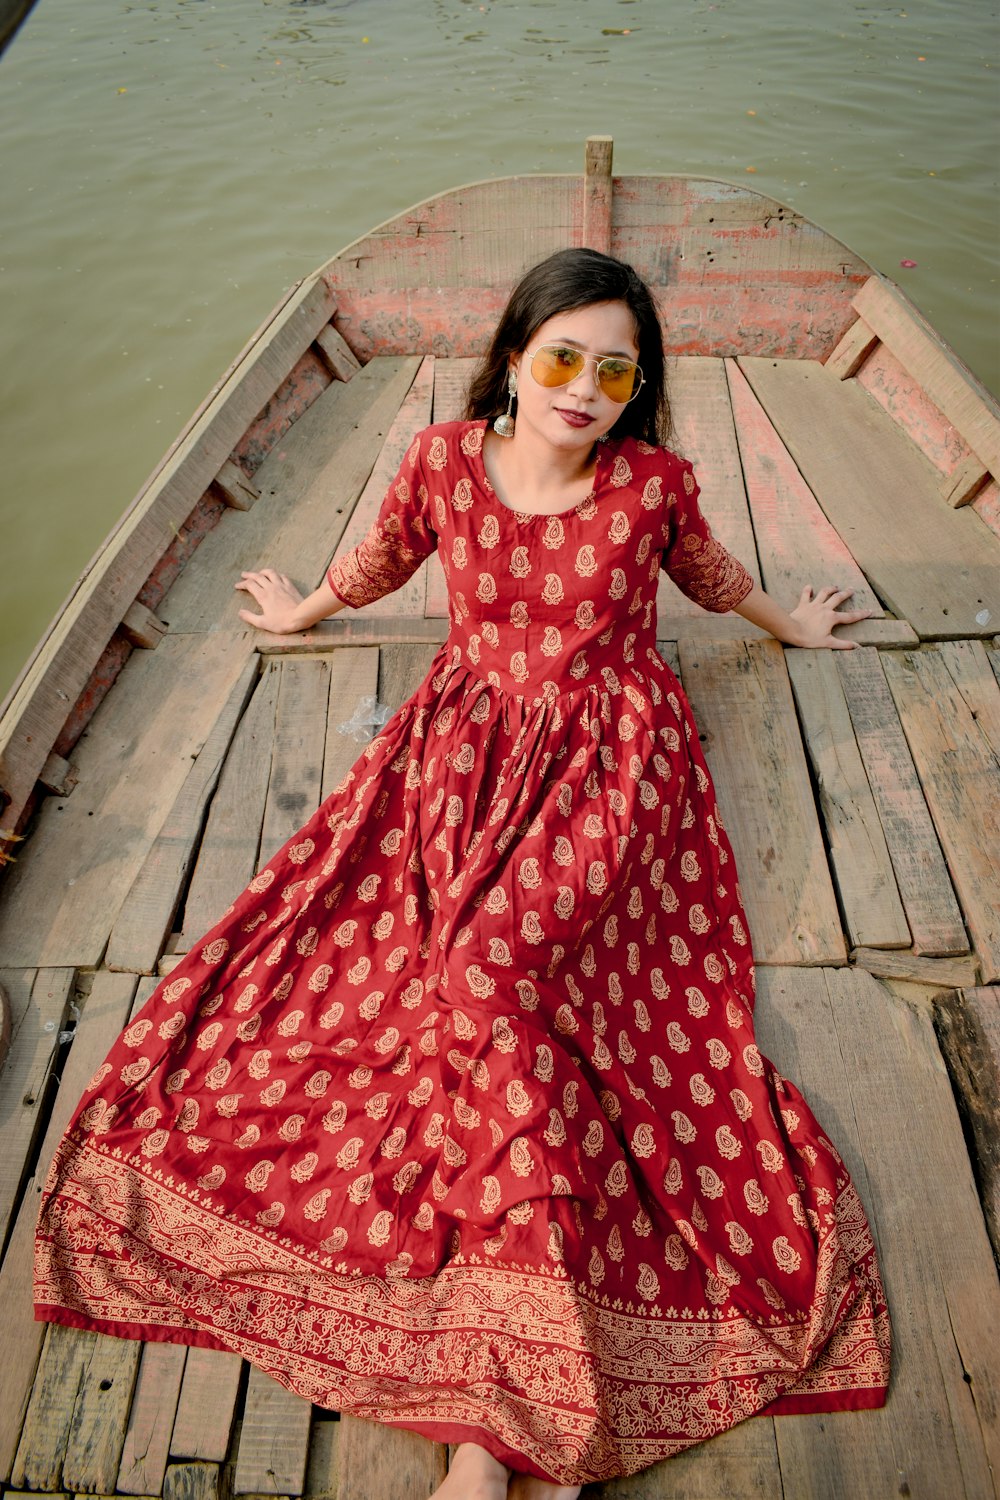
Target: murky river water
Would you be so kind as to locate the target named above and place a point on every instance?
(169, 167)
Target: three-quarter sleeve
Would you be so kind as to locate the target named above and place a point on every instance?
(698, 563)
(399, 539)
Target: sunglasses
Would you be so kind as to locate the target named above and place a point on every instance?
(555, 364)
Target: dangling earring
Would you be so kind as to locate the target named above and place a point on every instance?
(504, 425)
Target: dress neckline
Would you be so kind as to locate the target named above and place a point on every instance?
(542, 515)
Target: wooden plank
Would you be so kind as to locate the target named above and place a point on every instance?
(60, 905)
(413, 415)
(192, 1482)
(100, 1416)
(935, 567)
(322, 1473)
(145, 919)
(352, 628)
(401, 670)
(964, 483)
(960, 774)
(151, 1420)
(451, 387)
(969, 665)
(598, 190)
(237, 490)
(354, 676)
(704, 432)
(852, 351)
(864, 1063)
(142, 627)
(57, 775)
(207, 1406)
(274, 1440)
(309, 484)
(742, 701)
(740, 1464)
(795, 541)
(968, 1028)
(340, 358)
(390, 1462)
(293, 788)
(27, 1075)
(952, 387)
(941, 972)
(227, 856)
(862, 868)
(921, 874)
(62, 666)
(49, 1420)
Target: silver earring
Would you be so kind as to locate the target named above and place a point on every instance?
(504, 425)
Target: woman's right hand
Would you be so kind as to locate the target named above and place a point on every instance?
(280, 601)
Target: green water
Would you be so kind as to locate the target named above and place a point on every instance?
(169, 167)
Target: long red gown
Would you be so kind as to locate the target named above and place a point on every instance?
(456, 1119)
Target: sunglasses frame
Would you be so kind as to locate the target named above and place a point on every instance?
(598, 361)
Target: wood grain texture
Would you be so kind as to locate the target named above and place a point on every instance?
(309, 484)
(26, 1078)
(192, 1482)
(61, 905)
(413, 414)
(207, 1405)
(743, 706)
(147, 912)
(704, 433)
(871, 1070)
(22, 1336)
(882, 495)
(796, 543)
(960, 774)
(939, 972)
(100, 1415)
(959, 396)
(48, 1423)
(921, 874)
(293, 788)
(374, 1459)
(862, 868)
(598, 192)
(227, 854)
(353, 676)
(274, 1440)
(322, 1472)
(151, 1420)
(60, 669)
(739, 1464)
(968, 1028)
(852, 351)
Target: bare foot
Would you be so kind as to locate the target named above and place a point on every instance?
(473, 1474)
(527, 1487)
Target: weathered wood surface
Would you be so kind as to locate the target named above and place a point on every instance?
(151, 1420)
(921, 874)
(274, 1440)
(147, 912)
(960, 773)
(386, 1461)
(293, 786)
(206, 1407)
(309, 484)
(704, 433)
(937, 568)
(66, 657)
(968, 1027)
(862, 868)
(939, 972)
(598, 191)
(59, 907)
(743, 706)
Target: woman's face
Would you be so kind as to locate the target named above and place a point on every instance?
(574, 415)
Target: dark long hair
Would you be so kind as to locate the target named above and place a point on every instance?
(562, 282)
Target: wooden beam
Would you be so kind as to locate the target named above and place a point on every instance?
(340, 358)
(142, 627)
(598, 189)
(376, 1459)
(151, 1420)
(968, 1027)
(970, 408)
(852, 351)
(237, 489)
(207, 1405)
(964, 483)
(274, 1440)
(742, 700)
(943, 973)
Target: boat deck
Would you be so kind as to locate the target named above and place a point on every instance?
(861, 790)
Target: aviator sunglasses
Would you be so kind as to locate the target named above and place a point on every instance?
(555, 364)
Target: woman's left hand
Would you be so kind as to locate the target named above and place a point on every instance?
(816, 617)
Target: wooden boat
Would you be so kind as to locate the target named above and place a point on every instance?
(155, 751)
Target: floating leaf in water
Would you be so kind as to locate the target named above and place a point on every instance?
(908, 265)
(616, 31)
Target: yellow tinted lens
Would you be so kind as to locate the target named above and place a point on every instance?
(554, 365)
(617, 378)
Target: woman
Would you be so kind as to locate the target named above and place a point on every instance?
(456, 1119)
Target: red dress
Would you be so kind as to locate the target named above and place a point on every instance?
(456, 1120)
